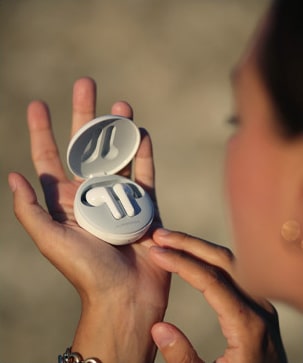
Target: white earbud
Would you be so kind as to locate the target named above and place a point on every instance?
(99, 195)
(125, 194)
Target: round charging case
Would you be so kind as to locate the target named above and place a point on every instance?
(101, 148)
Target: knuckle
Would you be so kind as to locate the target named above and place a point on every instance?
(190, 356)
(17, 212)
(224, 259)
(45, 155)
(185, 238)
(227, 254)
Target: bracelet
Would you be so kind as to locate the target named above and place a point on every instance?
(72, 357)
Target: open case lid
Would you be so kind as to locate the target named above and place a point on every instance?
(103, 146)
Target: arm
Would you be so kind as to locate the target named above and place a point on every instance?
(250, 326)
(122, 292)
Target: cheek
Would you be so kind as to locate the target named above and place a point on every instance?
(240, 188)
(243, 184)
(252, 195)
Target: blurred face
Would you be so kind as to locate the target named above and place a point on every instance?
(263, 176)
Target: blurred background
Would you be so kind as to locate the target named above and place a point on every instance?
(171, 60)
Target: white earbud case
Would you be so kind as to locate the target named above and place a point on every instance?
(111, 207)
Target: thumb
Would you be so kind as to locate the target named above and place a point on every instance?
(173, 344)
(35, 220)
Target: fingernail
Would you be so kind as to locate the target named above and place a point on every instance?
(162, 232)
(164, 337)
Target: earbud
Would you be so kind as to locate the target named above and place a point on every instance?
(99, 195)
(125, 195)
(119, 198)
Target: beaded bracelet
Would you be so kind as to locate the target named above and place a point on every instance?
(72, 357)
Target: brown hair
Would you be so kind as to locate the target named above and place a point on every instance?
(281, 63)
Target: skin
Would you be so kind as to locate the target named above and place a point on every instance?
(259, 163)
(106, 330)
(122, 308)
(264, 180)
(249, 325)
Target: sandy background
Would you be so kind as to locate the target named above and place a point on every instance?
(169, 58)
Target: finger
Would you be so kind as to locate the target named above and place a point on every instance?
(144, 163)
(36, 221)
(122, 108)
(44, 150)
(214, 283)
(209, 252)
(173, 344)
(84, 102)
(145, 172)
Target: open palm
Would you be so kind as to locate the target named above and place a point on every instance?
(94, 267)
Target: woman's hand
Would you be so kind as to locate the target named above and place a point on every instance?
(121, 289)
(250, 327)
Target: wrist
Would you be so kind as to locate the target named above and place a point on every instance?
(117, 333)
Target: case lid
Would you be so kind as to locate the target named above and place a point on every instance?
(103, 146)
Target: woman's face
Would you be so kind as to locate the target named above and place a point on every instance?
(263, 176)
